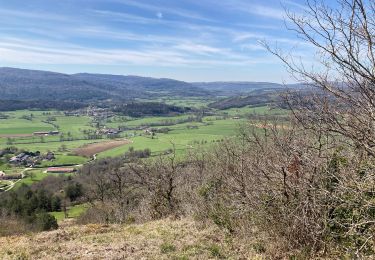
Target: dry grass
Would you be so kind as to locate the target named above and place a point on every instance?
(91, 149)
(164, 239)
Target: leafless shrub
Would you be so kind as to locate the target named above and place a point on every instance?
(284, 181)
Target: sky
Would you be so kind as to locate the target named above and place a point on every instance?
(191, 40)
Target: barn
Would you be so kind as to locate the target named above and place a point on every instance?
(60, 170)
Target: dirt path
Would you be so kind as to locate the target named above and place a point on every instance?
(13, 183)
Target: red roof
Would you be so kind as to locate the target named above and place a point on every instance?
(59, 169)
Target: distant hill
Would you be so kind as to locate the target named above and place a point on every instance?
(21, 84)
(142, 86)
(30, 85)
(237, 88)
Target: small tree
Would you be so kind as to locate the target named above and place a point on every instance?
(73, 191)
(46, 222)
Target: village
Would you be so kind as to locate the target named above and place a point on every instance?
(23, 164)
(22, 159)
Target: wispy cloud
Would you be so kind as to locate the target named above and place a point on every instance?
(253, 7)
(33, 14)
(168, 10)
(126, 17)
(287, 3)
(265, 11)
(35, 52)
(160, 33)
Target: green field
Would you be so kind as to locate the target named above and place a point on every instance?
(182, 135)
(33, 176)
(185, 132)
(211, 129)
(22, 126)
(72, 212)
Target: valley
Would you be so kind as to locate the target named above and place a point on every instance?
(81, 137)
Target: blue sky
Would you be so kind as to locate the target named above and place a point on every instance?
(192, 40)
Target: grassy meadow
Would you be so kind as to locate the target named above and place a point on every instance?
(17, 130)
(183, 134)
(211, 128)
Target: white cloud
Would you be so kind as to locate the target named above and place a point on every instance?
(252, 47)
(34, 15)
(36, 52)
(184, 43)
(240, 37)
(198, 48)
(250, 7)
(164, 9)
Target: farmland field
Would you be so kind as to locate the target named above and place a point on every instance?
(72, 140)
(89, 150)
(80, 136)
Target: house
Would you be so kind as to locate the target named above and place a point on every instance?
(18, 158)
(236, 117)
(40, 133)
(109, 131)
(49, 156)
(112, 132)
(60, 170)
(15, 176)
(148, 131)
(46, 133)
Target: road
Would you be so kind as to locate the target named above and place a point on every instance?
(13, 183)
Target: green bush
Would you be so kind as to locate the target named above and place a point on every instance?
(45, 222)
(166, 248)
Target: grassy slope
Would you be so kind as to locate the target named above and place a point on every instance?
(22, 126)
(164, 239)
(73, 212)
(38, 176)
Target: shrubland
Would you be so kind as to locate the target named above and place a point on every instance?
(308, 184)
(301, 189)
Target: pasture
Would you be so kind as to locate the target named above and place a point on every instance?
(72, 147)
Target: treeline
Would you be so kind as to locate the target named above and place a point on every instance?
(3, 116)
(255, 99)
(31, 207)
(27, 208)
(139, 109)
(132, 153)
(12, 105)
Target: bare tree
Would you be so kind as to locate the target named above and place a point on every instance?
(344, 78)
(338, 114)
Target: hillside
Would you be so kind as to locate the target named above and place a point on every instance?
(237, 88)
(21, 84)
(163, 239)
